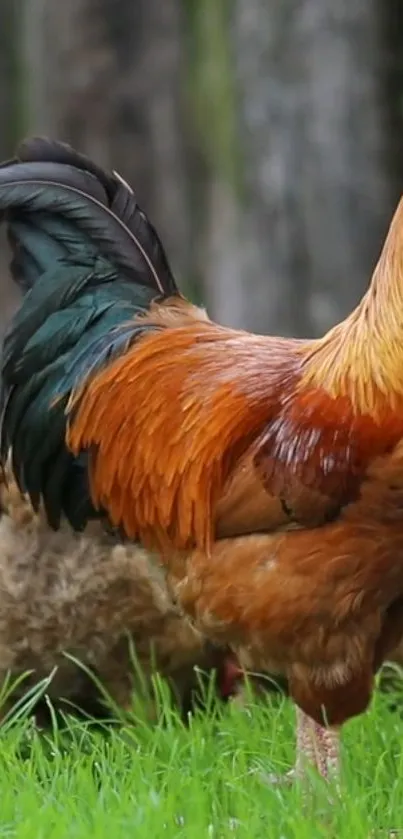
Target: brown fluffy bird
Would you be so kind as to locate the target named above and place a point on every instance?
(266, 472)
(97, 599)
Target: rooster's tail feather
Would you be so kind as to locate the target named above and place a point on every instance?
(89, 261)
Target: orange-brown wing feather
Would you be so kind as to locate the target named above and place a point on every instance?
(200, 431)
(168, 422)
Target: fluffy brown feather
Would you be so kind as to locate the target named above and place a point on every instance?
(324, 607)
(84, 595)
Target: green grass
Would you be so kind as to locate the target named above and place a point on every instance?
(167, 781)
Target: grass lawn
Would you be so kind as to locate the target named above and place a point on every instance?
(166, 781)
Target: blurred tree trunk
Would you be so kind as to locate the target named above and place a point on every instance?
(10, 129)
(7, 76)
(299, 248)
(105, 76)
(287, 130)
(391, 76)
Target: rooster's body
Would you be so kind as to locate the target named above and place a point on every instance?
(267, 473)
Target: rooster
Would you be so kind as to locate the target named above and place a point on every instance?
(266, 473)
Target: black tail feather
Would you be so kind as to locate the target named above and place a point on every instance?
(89, 262)
(48, 176)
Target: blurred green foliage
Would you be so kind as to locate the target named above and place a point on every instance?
(211, 86)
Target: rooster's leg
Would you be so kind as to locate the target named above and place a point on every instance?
(317, 746)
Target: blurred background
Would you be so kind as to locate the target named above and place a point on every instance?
(263, 137)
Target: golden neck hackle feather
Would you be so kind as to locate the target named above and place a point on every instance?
(362, 357)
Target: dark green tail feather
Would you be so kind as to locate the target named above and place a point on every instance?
(88, 261)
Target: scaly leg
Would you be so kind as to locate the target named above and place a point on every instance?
(317, 746)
